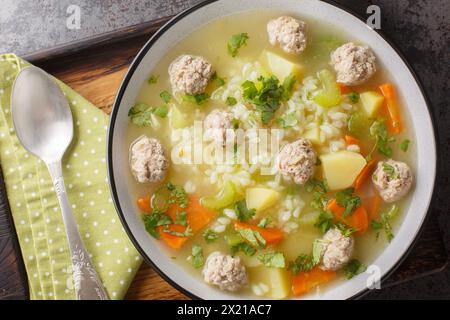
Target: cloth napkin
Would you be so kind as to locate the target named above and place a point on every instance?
(35, 209)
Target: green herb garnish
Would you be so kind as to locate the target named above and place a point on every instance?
(404, 145)
(267, 99)
(353, 268)
(236, 42)
(153, 221)
(186, 233)
(197, 259)
(141, 114)
(253, 238)
(389, 170)
(210, 236)
(379, 132)
(347, 200)
(231, 101)
(243, 247)
(386, 218)
(288, 120)
(218, 80)
(165, 96)
(263, 222)
(181, 218)
(354, 97)
(325, 221)
(199, 98)
(153, 79)
(242, 212)
(305, 262)
(272, 259)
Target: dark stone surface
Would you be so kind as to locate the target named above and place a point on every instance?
(420, 28)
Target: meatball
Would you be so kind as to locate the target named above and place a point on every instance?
(224, 271)
(289, 33)
(393, 179)
(148, 160)
(190, 74)
(297, 160)
(337, 249)
(216, 124)
(353, 64)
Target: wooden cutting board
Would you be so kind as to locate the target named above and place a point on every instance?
(96, 73)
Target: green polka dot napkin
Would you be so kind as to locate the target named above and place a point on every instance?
(35, 209)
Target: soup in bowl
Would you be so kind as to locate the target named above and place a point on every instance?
(268, 153)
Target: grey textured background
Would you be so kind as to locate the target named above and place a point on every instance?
(420, 28)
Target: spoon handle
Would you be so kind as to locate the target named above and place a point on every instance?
(88, 285)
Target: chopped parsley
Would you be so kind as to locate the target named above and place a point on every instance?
(404, 145)
(305, 262)
(141, 114)
(263, 222)
(218, 80)
(376, 226)
(353, 268)
(354, 97)
(266, 96)
(253, 238)
(316, 185)
(198, 98)
(386, 218)
(348, 200)
(197, 258)
(231, 101)
(346, 230)
(186, 233)
(325, 221)
(379, 132)
(210, 236)
(236, 42)
(288, 120)
(181, 218)
(389, 170)
(243, 247)
(177, 194)
(242, 212)
(165, 96)
(155, 220)
(272, 259)
(153, 79)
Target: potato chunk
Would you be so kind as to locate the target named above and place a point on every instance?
(261, 198)
(341, 168)
(280, 66)
(371, 101)
(276, 280)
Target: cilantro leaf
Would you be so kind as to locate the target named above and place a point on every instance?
(198, 98)
(197, 258)
(161, 111)
(153, 79)
(253, 238)
(303, 263)
(210, 236)
(378, 131)
(242, 212)
(243, 247)
(272, 259)
(263, 222)
(288, 120)
(181, 218)
(153, 221)
(347, 200)
(404, 145)
(325, 221)
(236, 42)
(218, 80)
(231, 101)
(354, 97)
(353, 268)
(165, 96)
(141, 114)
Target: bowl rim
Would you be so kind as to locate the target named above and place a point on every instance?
(123, 86)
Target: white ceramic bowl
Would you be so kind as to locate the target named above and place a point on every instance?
(190, 20)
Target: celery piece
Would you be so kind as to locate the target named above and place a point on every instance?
(223, 199)
(358, 124)
(330, 95)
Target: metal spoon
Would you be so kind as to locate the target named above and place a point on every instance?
(43, 123)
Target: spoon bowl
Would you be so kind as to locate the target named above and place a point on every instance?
(41, 115)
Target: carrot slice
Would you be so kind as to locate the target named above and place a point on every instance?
(305, 281)
(144, 204)
(390, 94)
(344, 89)
(364, 174)
(358, 219)
(197, 218)
(374, 206)
(271, 235)
(351, 140)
